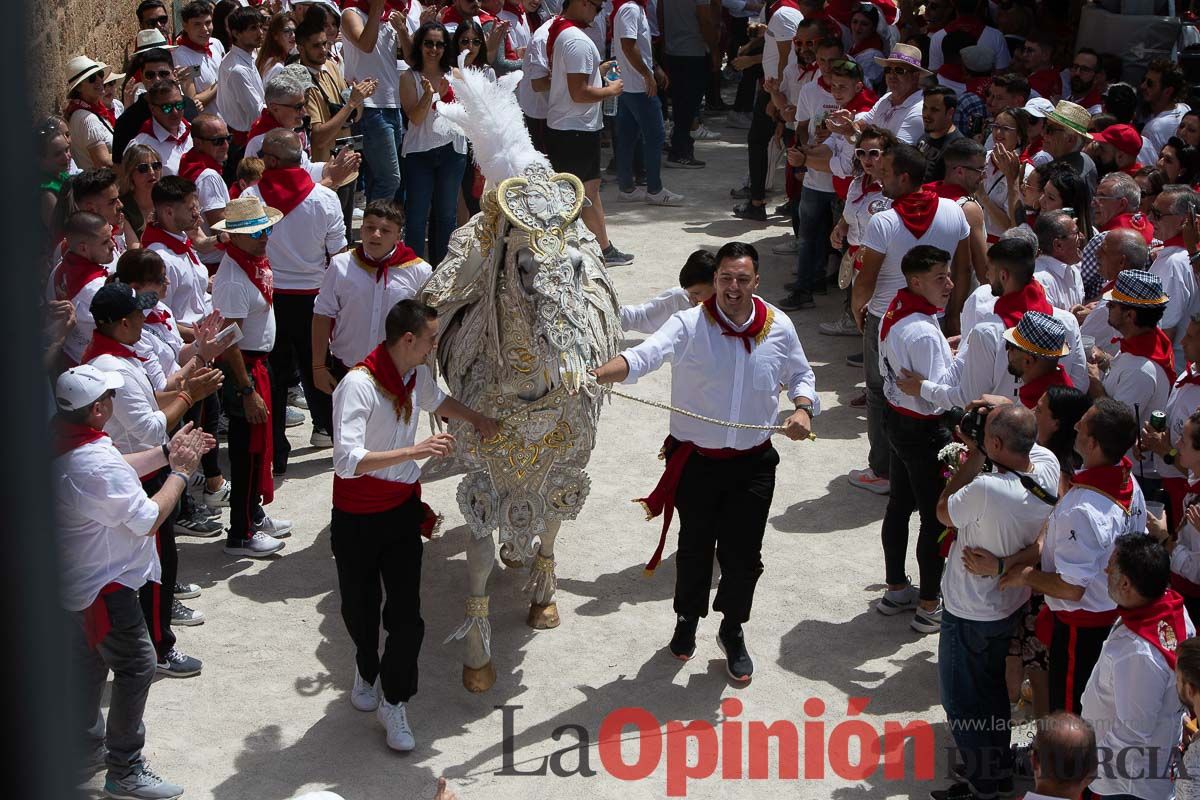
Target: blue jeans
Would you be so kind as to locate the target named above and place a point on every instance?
(639, 116)
(383, 133)
(815, 212)
(431, 182)
(971, 660)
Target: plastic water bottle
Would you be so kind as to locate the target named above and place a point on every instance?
(609, 106)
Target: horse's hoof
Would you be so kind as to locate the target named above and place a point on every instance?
(479, 680)
(511, 563)
(543, 617)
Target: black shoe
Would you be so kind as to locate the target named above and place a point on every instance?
(740, 194)
(737, 659)
(959, 791)
(749, 210)
(683, 643)
(854, 359)
(683, 162)
(796, 301)
(783, 209)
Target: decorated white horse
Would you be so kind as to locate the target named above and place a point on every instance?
(526, 308)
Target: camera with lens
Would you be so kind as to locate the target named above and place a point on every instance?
(969, 423)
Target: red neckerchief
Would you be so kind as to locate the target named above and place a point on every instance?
(1092, 98)
(872, 42)
(1133, 169)
(867, 188)
(257, 269)
(1188, 378)
(102, 345)
(156, 235)
(66, 436)
(757, 322)
(1160, 622)
(863, 101)
(263, 124)
(156, 317)
(971, 25)
(99, 109)
(183, 41)
(1032, 297)
(904, 304)
(978, 86)
(953, 72)
(1175, 241)
(557, 26)
(285, 188)
(1114, 481)
(388, 7)
(1154, 345)
(450, 16)
(946, 190)
(1032, 149)
(74, 273)
(517, 10)
(1135, 221)
(194, 162)
(384, 371)
(1046, 82)
(781, 4)
(1031, 392)
(612, 18)
(400, 255)
(148, 128)
(917, 210)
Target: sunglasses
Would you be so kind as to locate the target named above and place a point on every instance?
(1154, 213)
(95, 78)
(158, 22)
(157, 75)
(296, 107)
(217, 140)
(898, 71)
(874, 152)
(167, 108)
(145, 167)
(431, 45)
(470, 42)
(259, 234)
(1081, 68)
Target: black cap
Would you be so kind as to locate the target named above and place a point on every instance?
(118, 300)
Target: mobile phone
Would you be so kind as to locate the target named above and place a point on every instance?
(355, 143)
(230, 335)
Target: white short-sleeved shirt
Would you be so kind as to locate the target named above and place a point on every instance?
(632, 23)
(997, 513)
(904, 120)
(87, 130)
(205, 68)
(81, 333)
(915, 343)
(365, 421)
(860, 206)
(574, 54)
(1155, 132)
(887, 234)
(302, 242)
(1184, 399)
(137, 423)
(240, 96)
(814, 103)
(1063, 282)
(359, 303)
(1174, 269)
(1185, 558)
(651, 315)
(161, 343)
(236, 297)
(187, 295)
(103, 524)
(781, 28)
(535, 65)
(213, 194)
(1143, 386)
(379, 64)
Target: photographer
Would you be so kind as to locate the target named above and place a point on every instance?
(1000, 511)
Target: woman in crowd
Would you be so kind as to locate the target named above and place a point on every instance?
(141, 168)
(54, 164)
(109, 97)
(470, 51)
(1063, 188)
(1057, 412)
(434, 155)
(1189, 129)
(866, 44)
(1179, 162)
(1001, 171)
(91, 122)
(1025, 205)
(1150, 181)
(279, 44)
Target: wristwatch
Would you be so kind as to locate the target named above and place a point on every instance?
(245, 391)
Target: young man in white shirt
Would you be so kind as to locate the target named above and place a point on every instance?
(96, 191)
(911, 340)
(695, 286)
(239, 84)
(534, 88)
(573, 118)
(312, 230)
(177, 211)
(204, 165)
(378, 517)
(359, 289)
(1131, 698)
(105, 524)
(199, 50)
(1162, 87)
(1103, 502)
(89, 244)
(1057, 266)
(747, 350)
(166, 132)
(1172, 262)
(1000, 511)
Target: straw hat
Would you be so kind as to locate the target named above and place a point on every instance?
(152, 39)
(80, 68)
(1039, 334)
(904, 55)
(247, 214)
(1071, 116)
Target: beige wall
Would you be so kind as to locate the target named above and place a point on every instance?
(62, 29)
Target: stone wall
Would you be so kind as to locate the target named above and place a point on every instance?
(62, 29)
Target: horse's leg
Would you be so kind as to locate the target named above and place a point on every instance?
(478, 672)
(543, 611)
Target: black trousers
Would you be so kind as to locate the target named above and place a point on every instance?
(762, 128)
(157, 598)
(378, 556)
(723, 506)
(293, 352)
(689, 77)
(245, 493)
(206, 414)
(537, 132)
(1071, 662)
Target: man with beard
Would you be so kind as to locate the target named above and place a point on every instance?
(1163, 90)
(1034, 349)
(963, 161)
(1116, 148)
(937, 114)
(1087, 80)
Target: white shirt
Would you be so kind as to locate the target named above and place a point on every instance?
(1183, 400)
(631, 23)
(87, 130)
(187, 295)
(1132, 704)
(990, 38)
(574, 54)
(1079, 541)
(433, 131)
(1173, 268)
(379, 64)
(80, 334)
(213, 194)
(302, 242)
(904, 119)
(236, 297)
(915, 343)
(240, 96)
(859, 208)
(535, 65)
(781, 28)
(713, 375)
(1157, 130)
(651, 315)
(205, 69)
(812, 107)
(995, 185)
(886, 234)
(997, 513)
(519, 32)
(360, 304)
(1142, 385)
(1063, 282)
(103, 521)
(169, 146)
(161, 344)
(1185, 558)
(1096, 325)
(365, 421)
(137, 423)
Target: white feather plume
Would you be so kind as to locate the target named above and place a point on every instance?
(489, 116)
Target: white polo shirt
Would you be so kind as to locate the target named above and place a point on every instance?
(240, 96)
(915, 343)
(205, 68)
(103, 522)
(651, 315)
(236, 297)
(302, 242)
(170, 145)
(813, 105)
(887, 234)
(574, 54)
(1143, 386)
(359, 304)
(137, 423)
(1063, 282)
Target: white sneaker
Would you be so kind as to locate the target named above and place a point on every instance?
(636, 196)
(394, 719)
(277, 528)
(665, 197)
(897, 601)
(218, 498)
(296, 398)
(927, 621)
(703, 133)
(320, 438)
(292, 417)
(260, 545)
(867, 479)
(845, 326)
(364, 696)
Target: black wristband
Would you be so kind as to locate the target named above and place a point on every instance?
(166, 453)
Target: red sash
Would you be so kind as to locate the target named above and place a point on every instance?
(1154, 345)
(1135, 221)
(193, 162)
(978, 86)
(183, 41)
(1031, 392)
(66, 436)
(99, 109)
(156, 235)
(904, 304)
(156, 317)
(262, 440)
(74, 273)
(917, 210)
(1160, 622)
(953, 72)
(517, 10)
(367, 494)
(102, 345)
(1032, 297)
(557, 26)
(96, 622)
(401, 255)
(285, 188)
(971, 25)
(757, 322)
(257, 269)
(1092, 98)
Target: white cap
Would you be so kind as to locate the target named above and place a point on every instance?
(1039, 107)
(81, 386)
